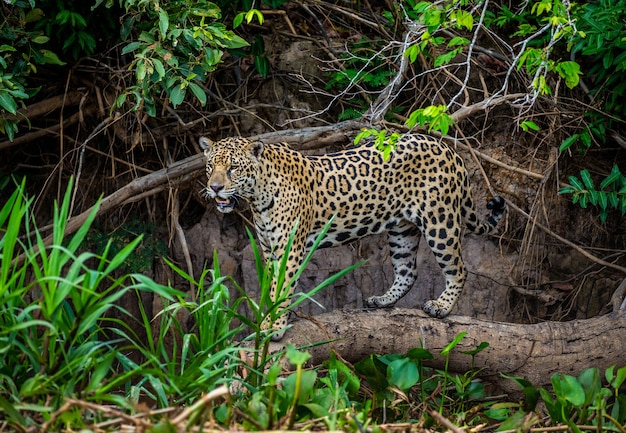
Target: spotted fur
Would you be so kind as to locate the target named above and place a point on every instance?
(422, 189)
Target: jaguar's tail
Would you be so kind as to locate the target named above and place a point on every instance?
(497, 205)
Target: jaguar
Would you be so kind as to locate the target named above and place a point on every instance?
(420, 189)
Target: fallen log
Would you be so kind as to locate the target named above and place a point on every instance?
(532, 351)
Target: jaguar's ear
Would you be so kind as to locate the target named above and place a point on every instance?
(205, 143)
(256, 149)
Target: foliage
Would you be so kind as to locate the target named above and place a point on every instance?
(385, 143)
(404, 378)
(147, 250)
(572, 401)
(433, 116)
(610, 195)
(234, 6)
(178, 363)
(544, 31)
(174, 48)
(274, 273)
(438, 17)
(602, 42)
(362, 66)
(63, 336)
(56, 326)
(22, 50)
(74, 28)
(600, 46)
(301, 396)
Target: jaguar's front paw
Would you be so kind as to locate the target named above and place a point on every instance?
(377, 302)
(278, 327)
(437, 309)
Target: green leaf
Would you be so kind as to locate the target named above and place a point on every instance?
(619, 379)
(198, 92)
(177, 95)
(367, 367)
(140, 70)
(158, 67)
(464, 19)
(526, 125)
(531, 395)
(612, 178)
(297, 357)
(131, 47)
(234, 42)
(402, 373)
(453, 343)
(445, 58)
(585, 139)
(412, 53)
(419, 353)
(552, 406)
(576, 183)
(262, 65)
(317, 410)
(254, 13)
(571, 389)
(11, 412)
(34, 15)
(40, 39)
(613, 199)
(593, 197)
(238, 19)
(591, 383)
(364, 134)
(164, 23)
(567, 143)
(513, 423)
(570, 71)
(458, 40)
(7, 102)
(586, 178)
(307, 385)
(50, 58)
(602, 200)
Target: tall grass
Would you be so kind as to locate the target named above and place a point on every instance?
(55, 321)
(60, 338)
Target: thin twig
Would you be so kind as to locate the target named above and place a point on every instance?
(567, 242)
(445, 422)
(180, 233)
(222, 391)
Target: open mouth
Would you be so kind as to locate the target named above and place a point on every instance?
(224, 204)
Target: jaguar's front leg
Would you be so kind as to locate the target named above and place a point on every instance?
(281, 289)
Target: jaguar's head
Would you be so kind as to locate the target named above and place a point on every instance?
(231, 169)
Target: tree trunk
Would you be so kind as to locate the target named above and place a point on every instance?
(534, 352)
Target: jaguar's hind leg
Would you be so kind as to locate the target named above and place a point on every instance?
(403, 242)
(446, 246)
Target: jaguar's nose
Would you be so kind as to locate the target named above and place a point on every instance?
(217, 187)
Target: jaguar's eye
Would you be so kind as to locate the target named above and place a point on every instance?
(232, 170)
